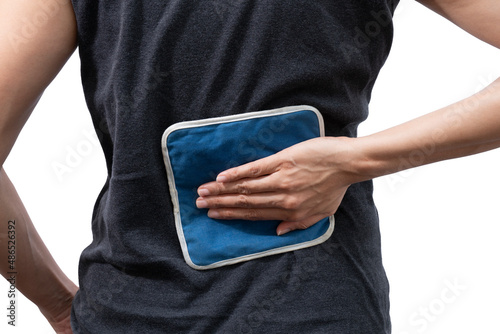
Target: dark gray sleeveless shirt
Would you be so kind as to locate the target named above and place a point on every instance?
(149, 64)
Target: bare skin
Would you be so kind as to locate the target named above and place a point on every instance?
(307, 182)
(29, 51)
(299, 185)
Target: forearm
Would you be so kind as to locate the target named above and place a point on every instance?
(37, 276)
(468, 127)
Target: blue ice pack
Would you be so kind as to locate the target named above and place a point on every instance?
(195, 152)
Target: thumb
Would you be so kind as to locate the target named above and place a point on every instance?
(288, 226)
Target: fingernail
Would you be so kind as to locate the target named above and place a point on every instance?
(201, 203)
(203, 192)
(214, 214)
(221, 178)
(285, 231)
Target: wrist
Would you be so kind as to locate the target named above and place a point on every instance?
(367, 159)
(352, 158)
(57, 306)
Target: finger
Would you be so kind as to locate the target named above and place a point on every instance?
(252, 169)
(263, 200)
(247, 214)
(244, 186)
(288, 226)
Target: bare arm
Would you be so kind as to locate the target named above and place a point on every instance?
(468, 127)
(464, 128)
(307, 182)
(36, 39)
(480, 17)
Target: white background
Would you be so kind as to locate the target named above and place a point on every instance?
(440, 223)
